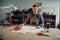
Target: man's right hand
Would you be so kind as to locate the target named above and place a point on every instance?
(21, 24)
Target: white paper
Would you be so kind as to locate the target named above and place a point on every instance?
(30, 29)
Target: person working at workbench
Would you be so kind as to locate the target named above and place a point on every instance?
(38, 17)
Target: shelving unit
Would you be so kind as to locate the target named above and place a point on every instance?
(17, 17)
(50, 20)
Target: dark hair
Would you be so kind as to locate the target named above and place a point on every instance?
(35, 6)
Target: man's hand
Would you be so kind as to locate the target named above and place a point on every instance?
(21, 24)
(38, 27)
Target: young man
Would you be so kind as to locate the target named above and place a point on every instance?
(37, 15)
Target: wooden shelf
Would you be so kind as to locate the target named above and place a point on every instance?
(50, 19)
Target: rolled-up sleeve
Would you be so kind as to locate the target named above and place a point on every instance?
(41, 20)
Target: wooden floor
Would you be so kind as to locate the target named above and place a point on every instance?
(6, 34)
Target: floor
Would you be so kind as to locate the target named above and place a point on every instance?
(6, 34)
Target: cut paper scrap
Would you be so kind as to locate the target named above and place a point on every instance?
(42, 34)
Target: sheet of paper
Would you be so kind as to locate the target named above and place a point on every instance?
(30, 29)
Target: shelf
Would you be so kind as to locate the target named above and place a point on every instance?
(50, 20)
